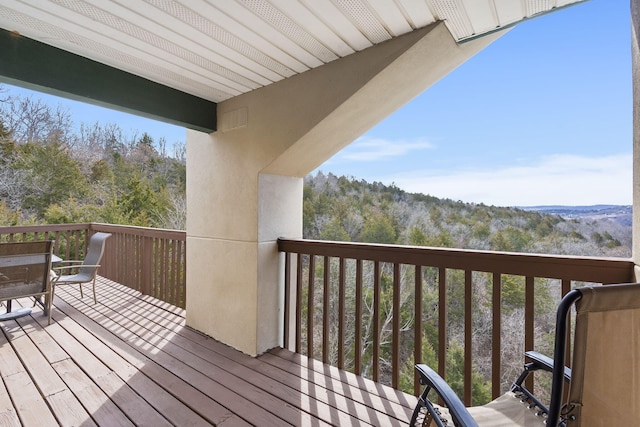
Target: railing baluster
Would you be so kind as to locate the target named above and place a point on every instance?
(310, 301)
(172, 272)
(287, 299)
(376, 321)
(159, 261)
(442, 322)
(417, 329)
(358, 323)
(147, 280)
(299, 304)
(496, 336)
(468, 336)
(565, 288)
(529, 317)
(395, 340)
(341, 312)
(326, 295)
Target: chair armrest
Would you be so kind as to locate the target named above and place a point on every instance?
(72, 261)
(457, 410)
(541, 361)
(71, 267)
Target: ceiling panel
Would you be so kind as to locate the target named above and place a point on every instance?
(218, 49)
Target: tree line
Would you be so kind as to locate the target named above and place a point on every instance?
(347, 209)
(52, 171)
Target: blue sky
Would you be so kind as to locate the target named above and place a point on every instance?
(540, 117)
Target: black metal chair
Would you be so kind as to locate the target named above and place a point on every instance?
(604, 382)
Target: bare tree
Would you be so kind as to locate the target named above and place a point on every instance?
(30, 119)
(175, 217)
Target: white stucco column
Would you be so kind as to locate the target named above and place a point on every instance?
(244, 182)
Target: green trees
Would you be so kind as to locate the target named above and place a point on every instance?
(51, 173)
(50, 176)
(378, 229)
(339, 208)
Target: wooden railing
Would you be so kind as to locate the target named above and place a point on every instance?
(341, 301)
(152, 261)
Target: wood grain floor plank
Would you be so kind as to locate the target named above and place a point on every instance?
(133, 405)
(318, 401)
(349, 397)
(130, 360)
(29, 404)
(174, 375)
(8, 415)
(92, 397)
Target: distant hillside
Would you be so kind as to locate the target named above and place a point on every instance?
(618, 213)
(346, 209)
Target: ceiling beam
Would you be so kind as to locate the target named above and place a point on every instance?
(28, 63)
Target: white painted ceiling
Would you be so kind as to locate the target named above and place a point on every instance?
(217, 49)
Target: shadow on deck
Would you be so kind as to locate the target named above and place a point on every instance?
(130, 360)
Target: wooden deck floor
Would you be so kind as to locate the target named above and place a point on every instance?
(129, 360)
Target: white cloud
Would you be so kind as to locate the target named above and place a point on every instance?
(557, 179)
(370, 150)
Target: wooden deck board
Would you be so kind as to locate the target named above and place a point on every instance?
(8, 415)
(67, 408)
(249, 367)
(345, 397)
(130, 360)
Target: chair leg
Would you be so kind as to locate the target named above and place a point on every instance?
(48, 303)
(81, 296)
(94, 291)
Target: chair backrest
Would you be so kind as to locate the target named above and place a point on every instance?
(605, 379)
(24, 268)
(95, 250)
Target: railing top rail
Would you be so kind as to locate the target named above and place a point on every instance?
(588, 269)
(108, 228)
(140, 231)
(42, 228)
